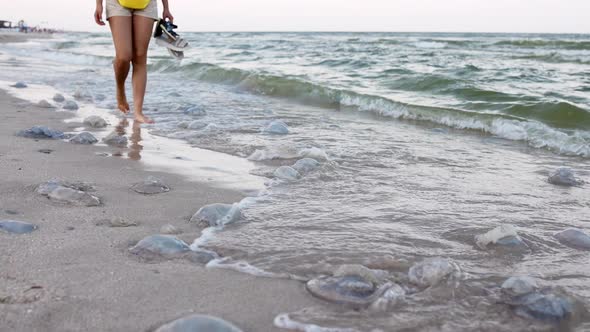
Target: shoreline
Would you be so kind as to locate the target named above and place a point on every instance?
(73, 275)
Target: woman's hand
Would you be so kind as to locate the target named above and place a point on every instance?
(98, 14)
(167, 15)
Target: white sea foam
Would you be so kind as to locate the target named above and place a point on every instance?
(282, 151)
(283, 321)
(424, 44)
(243, 267)
(495, 235)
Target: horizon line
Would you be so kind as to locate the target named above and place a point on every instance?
(364, 31)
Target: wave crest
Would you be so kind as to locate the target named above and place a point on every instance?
(537, 124)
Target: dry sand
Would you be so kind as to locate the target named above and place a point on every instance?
(72, 275)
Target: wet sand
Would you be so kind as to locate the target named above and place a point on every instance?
(74, 275)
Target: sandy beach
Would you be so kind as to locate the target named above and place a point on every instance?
(74, 275)
(389, 171)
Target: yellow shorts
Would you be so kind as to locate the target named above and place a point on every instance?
(113, 8)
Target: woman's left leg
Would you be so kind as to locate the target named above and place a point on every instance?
(142, 32)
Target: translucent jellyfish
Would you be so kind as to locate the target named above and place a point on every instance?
(70, 105)
(163, 246)
(287, 173)
(95, 121)
(564, 177)
(218, 214)
(44, 104)
(305, 165)
(276, 127)
(543, 306)
(353, 286)
(150, 186)
(41, 132)
(198, 323)
(19, 85)
(114, 139)
(84, 138)
(432, 271)
(515, 286)
(195, 111)
(575, 238)
(59, 98)
(16, 227)
(504, 235)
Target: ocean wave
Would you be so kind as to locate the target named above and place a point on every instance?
(356, 64)
(431, 83)
(545, 43)
(64, 57)
(65, 45)
(476, 94)
(554, 57)
(556, 114)
(452, 42)
(521, 124)
(430, 44)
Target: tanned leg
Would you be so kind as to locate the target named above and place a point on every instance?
(122, 31)
(142, 32)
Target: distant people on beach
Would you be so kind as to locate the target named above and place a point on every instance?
(23, 27)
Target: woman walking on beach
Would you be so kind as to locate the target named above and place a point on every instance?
(131, 30)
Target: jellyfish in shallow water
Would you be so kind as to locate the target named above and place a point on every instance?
(349, 290)
(519, 285)
(504, 236)
(19, 85)
(432, 271)
(70, 105)
(305, 165)
(564, 177)
(276, 128)
(575, 238)
(217, 214)
(542, 306)
(351, 285)
(527, 300)
(287, 173)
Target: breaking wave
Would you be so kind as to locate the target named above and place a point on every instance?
(559, 127)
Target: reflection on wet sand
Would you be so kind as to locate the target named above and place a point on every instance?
(135, 137)
(162, 154)
(136, 148)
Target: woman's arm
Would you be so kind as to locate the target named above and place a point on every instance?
(166, 13)
(98, 13)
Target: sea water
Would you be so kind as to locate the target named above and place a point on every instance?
(424, 141)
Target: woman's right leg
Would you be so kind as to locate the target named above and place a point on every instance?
(122, 31)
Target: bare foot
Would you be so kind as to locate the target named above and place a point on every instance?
(122, 103)
(143, 119)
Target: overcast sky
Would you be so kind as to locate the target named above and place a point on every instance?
(555, 16)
